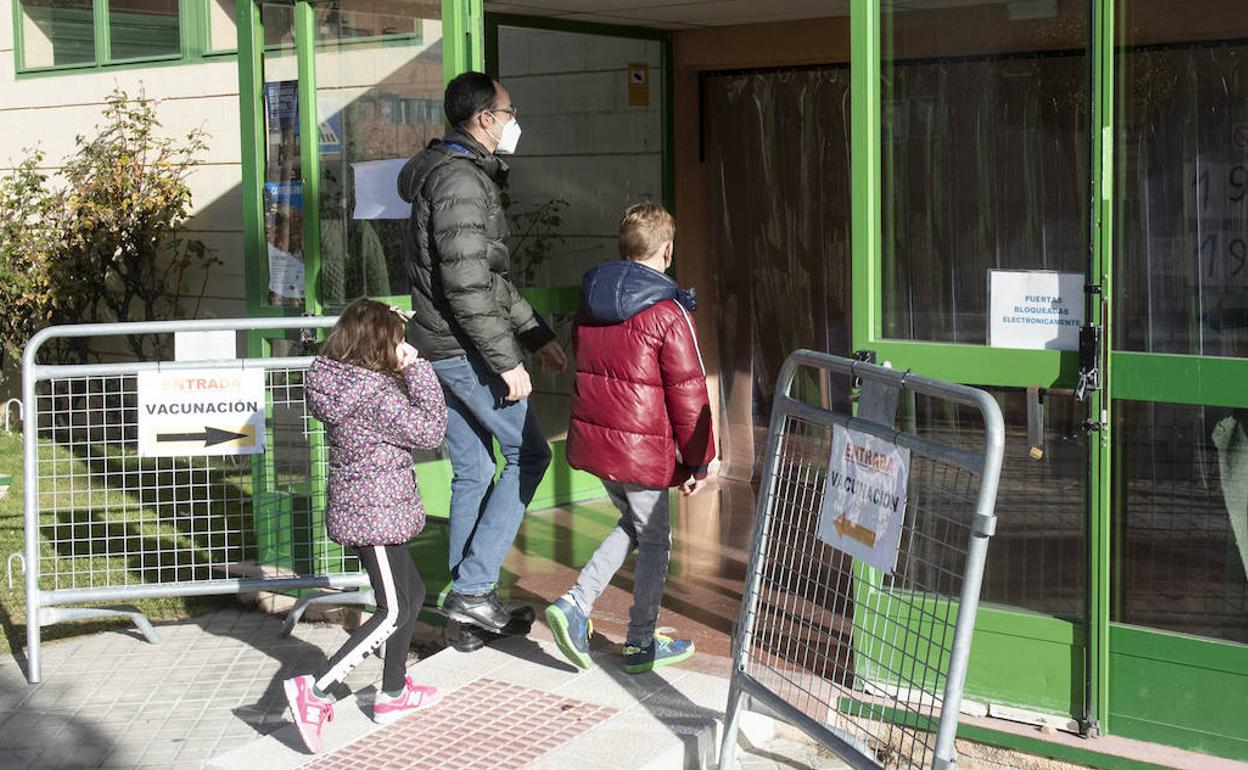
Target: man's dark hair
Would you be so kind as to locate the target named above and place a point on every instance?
(467, 95)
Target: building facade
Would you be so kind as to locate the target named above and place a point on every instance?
(1044, 198)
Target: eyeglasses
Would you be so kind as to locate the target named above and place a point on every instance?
(512, 111)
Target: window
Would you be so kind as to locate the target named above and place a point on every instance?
(142, 28)
(82, 34)
(222, 26)
(55, 33)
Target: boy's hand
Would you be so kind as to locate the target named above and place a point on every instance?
(407, 355)
(553, 357)
(518, 383)
(694, 485)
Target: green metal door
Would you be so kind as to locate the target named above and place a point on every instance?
(1106, 141)
(971, 251)
(1175, 650)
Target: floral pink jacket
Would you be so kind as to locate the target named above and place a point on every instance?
(374, 421)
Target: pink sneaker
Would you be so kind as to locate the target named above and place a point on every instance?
(387, 709)
(309, 712)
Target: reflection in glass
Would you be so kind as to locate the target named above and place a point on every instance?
(1181, 219)
(984, 162)
(353, 19)
(377, 107)
(283, 190)
(57, 32)
(222, 25)
(1038, 555)
(587, 153)
(1183, 526)
(783, 262)
(139, 28)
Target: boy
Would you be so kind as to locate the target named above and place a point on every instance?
(641, 421)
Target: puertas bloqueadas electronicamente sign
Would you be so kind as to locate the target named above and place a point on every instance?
(864, 502)
(201, 412)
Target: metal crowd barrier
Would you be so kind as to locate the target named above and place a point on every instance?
(118, 508)
(865, 653)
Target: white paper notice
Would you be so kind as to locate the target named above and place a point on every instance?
(1035, 309)
(377, 190)
(204, 346)
(285, 274)
(864, 502)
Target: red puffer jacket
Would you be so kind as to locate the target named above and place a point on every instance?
(640, 412)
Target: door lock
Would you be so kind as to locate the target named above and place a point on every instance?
(1090, 342)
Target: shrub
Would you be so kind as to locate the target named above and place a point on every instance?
(102, 244)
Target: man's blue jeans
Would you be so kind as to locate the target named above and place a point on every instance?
(486, 513)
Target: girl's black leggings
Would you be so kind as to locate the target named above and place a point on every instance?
(400, 594)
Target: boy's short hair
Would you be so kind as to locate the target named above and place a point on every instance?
(643, 229)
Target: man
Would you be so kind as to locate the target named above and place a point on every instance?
(471, 323)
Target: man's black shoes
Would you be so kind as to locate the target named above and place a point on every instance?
(485, 610)
(470, 638)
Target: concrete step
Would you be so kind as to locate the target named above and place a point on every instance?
(520, 696)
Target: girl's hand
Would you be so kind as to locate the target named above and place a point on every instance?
(406, 354)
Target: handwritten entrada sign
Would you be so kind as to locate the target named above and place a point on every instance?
(864, 503)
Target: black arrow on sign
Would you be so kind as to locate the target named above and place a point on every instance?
(210, 436)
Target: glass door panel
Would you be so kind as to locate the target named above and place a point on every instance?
(379, 102)
(1183, 534)
(984, 158)
(985, 167)
(283, 167)
(1181, 215)
(591, 105)
(1179, 595)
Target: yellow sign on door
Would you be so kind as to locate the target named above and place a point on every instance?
(639, 85)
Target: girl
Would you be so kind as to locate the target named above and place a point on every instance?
(378, 401)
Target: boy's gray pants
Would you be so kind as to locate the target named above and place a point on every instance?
(644, 525)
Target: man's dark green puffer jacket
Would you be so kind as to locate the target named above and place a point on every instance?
(457, 257)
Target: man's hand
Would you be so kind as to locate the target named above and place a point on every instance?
(553, 358)
(518, 383)
(694, 485)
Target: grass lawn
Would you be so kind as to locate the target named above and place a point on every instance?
(119, 521)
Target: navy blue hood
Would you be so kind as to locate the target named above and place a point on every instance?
(616, 291)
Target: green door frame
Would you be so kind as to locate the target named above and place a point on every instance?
(1055, 647)
(464, 48)
(1132, 677)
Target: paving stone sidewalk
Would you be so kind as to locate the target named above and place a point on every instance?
(210, 687)
(111, 699)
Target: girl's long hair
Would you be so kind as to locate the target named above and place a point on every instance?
(366, 335)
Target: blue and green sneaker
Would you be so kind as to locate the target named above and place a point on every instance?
(571, 629)
(663, 651)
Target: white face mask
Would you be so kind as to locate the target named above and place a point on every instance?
(510, 138)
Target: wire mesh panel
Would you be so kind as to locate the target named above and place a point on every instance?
(861, 657)
(109, 517)
(120, 510)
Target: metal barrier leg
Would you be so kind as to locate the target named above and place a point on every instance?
(732, 718)
(360, 596)
(33, 667)
(50, 615)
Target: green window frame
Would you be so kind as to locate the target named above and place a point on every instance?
(193, 42)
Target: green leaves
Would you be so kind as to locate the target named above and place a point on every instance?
(100, 243)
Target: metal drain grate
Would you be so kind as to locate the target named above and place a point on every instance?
(487, 724)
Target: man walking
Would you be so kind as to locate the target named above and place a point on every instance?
(471, 323)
